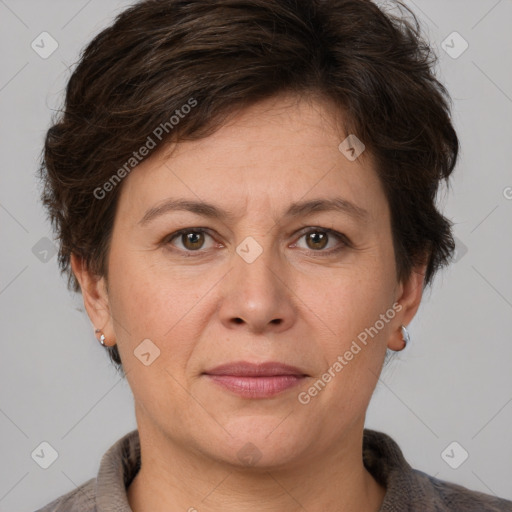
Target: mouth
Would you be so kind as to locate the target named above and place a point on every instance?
(251, 380)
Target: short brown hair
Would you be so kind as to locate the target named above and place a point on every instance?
(224, 55)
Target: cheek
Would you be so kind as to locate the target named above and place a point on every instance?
(351, 299)
(156, 302)
(354, 346)
(350, 306)
(135, 297)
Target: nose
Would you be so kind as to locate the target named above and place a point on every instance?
(256, 296)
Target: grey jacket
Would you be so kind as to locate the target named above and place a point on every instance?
(407, 489)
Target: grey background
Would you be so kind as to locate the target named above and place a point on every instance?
(453, 383)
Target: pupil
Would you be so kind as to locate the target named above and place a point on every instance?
(192, 238)
(318, 237)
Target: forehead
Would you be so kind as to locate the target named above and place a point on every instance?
(268, 156)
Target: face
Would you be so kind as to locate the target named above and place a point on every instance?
(265, 279)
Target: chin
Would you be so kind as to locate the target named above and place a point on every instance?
(262, 441)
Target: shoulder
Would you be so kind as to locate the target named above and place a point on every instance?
(410, 490)
(118, 467)
(449, 496)
(81, 499)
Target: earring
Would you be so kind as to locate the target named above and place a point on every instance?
(405, 336)
(102, 337)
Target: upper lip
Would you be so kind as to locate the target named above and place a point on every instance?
(246, 369)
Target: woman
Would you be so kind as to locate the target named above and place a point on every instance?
(244, 193)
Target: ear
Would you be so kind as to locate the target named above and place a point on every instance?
(409, 295)
(94, 293)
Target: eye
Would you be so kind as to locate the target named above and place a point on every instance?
(318, 238)
(192, 240)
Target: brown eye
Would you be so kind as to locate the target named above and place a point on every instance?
(323, 241)
(192, 240)
(317, 239)
(189, 240)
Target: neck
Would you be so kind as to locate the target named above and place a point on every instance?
(173, 479)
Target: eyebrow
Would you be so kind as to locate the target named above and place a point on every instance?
(297, 209)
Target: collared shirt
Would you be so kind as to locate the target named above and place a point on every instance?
(407, 489)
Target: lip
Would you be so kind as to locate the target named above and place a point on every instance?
(253, 380)
(247, 369)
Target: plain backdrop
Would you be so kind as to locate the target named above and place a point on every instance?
(453, 383)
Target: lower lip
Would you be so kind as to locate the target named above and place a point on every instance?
(256, 387)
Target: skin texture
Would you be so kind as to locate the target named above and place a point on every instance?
(295, 304)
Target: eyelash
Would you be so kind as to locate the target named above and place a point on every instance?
(340, 236)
